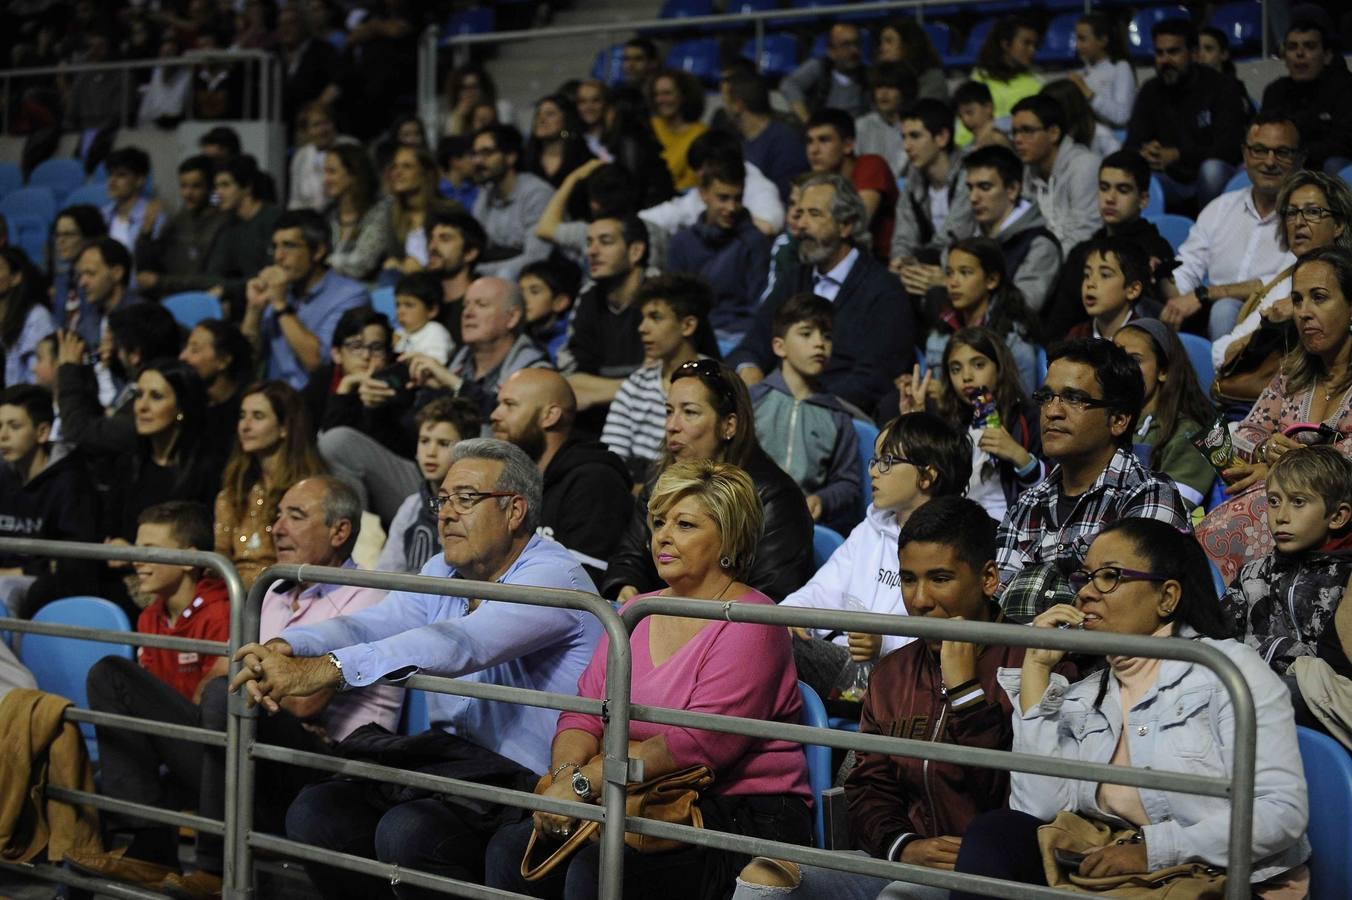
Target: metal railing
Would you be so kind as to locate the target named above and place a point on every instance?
(257, 66)
(616, 710)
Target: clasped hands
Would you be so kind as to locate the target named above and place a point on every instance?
(270, 673)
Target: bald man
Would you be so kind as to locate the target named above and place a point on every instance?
(587, 500)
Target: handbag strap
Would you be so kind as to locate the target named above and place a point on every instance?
(560, 854)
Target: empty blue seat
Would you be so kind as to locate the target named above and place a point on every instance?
(1328, 775)
(779, 54)
(867, 433)
(966, 57)
(95, 195)
(11, 177)
(1139, 43)
(609, 65)
(1174, 229)
(818, 756)
(415, 719)
(30, 201)
(699, 57)
(478, 20)
(825, 541)
(1058, 44)
(61, 175)
(1242, 22)
(191, 307)
(1199, 354)
(940, 36)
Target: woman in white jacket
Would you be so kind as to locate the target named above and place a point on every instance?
(1142, 577)
(916, 458)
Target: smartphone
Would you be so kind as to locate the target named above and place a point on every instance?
(1068, 858)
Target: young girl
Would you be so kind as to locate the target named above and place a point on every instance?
(973, 392)
(1107, 81)
(24, 318)
(1175, 407)
(1005, 65)
(979, 293)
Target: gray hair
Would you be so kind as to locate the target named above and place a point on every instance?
(519, 474)
(846, 206)
(1337, 194)
(341, 501)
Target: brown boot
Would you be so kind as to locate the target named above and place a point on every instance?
(117, 867)
(199, 885)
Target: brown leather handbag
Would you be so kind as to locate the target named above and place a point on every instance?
(1069, 831)
(1242, 379)
(673, 797)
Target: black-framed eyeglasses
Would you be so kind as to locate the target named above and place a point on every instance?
(1311, 214)
(885, 462)
(1027, 130)
(710, 371)
(1283, 154)
(1107, 578)
(375, 348)
(1071, 397)
(464, 501)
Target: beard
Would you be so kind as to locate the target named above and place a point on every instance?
(531, 440)
(815, 252)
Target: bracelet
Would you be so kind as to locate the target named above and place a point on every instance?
(1027, 469)
(555, 775)
(1262, 452)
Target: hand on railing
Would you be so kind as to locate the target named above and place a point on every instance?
(269, 674)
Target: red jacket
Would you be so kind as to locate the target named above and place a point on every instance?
(207, 618)
(891, 796)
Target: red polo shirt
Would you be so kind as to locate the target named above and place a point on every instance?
(207, 618)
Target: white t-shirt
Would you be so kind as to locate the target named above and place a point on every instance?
(987, 491)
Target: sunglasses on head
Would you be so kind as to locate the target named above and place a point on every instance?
(710, 371)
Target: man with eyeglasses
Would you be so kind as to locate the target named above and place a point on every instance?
(487, 514)
(1089, 404)
(1232, 251)
(1188, 121)
(836, 82)
(293, 305)
(1059, 175)
(509, 205)
(1314, 91)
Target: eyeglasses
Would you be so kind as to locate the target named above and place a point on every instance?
(375, 348)
(1070, 397)
(1107, 578)
(885, 462)
(464, 501)
(1261, 151)
(286, 245)
(711, 373)
(1027, 130)
(1311, 214)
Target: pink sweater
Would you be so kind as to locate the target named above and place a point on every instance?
(731, 669)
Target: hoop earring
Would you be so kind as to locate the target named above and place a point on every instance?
(726, 562)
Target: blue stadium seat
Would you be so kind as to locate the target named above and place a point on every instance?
(779, 54)
(60, 665)
(1238, 180)
(1139, 43)
(818, 757)
(699, 57)
(867, 433)
(29, 233)
(1346, 174)
(415, 718)
(966, 57)
(1217, 579)
(608, 66)
(477, 20)
(685, 9)
(1041, 366)
(1328, 774)
(191, 307)
(1058, 43)
(940, 36)
(825, 541)
(1215, 499)
(30, 201)
(1154, 204)
(382, 301)
(1173, 228)
(11, 177)
(95, 195)
(1242, 22)
(1199, 354)
(59, 174)
(750, 6)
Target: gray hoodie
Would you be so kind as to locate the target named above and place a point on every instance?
(1035, 272)
(1069, 199)
(909, 233)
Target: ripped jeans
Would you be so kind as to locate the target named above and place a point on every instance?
(829, 884)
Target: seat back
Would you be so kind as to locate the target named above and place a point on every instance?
(1238, 180)
(29, 233)
(699, 57)
(1199, 354)
(1242, 22)
(1041, 360)
(971, 46)
(818, 757)
(1058, 43)
(60, 174)
(1139, 43)
(608, 66)
(11, 177)
(382, 301)
(1154, 201)
(30, 201)
(1328, 773)
(1173, 228)
(95, 194)
(478, 20)
(415, 719)
(779, 54)
(825, 541)
(191, 307)
(868, 436)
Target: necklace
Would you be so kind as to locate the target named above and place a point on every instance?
(725, 589)
(1328, 386)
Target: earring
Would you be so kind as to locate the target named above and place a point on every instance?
(725, 562)
(178, 418)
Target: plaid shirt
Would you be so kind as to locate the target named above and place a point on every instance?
(1035, 552)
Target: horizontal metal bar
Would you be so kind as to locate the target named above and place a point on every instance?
(128, 808)
(435, 783)
(192, 733)
(384, 871)
(62, 875)
(956, 754)
(196, 57)
(525, 696)
(108, 636)
(115, 552)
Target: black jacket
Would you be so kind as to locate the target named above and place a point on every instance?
(83, 422)
(873, 331)
(386, 424)
(57, 505)
(1064, 308)
(1202, 116)
(587, 501)
(1313, 106)
(783, 560)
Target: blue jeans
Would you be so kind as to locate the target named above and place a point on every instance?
(827, 884)
(1212, 177)
(1001, 843)
(1222, 317)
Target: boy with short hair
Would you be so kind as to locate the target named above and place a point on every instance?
(1060, 175)
(1116, 288)
(417, 301)
(185, 602)
(808, 433)
(1283, 605)
(976, 111)
(412, 536)
(128, 214)
(672, 309)
(1123, 194)
(548, 288)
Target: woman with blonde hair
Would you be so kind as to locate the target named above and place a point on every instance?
(412, 178)
(276, 448)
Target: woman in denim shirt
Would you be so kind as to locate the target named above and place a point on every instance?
(1143, 577)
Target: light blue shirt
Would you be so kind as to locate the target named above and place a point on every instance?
(319, 311)
(827, 285)
(509, 644)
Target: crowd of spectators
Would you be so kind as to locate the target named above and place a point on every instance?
(635, 350)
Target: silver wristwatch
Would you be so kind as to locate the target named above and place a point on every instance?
(342, 678)
(582, 786)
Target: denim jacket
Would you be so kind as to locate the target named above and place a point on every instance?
(1184, 723)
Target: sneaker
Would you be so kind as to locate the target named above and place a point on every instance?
(199, 885)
